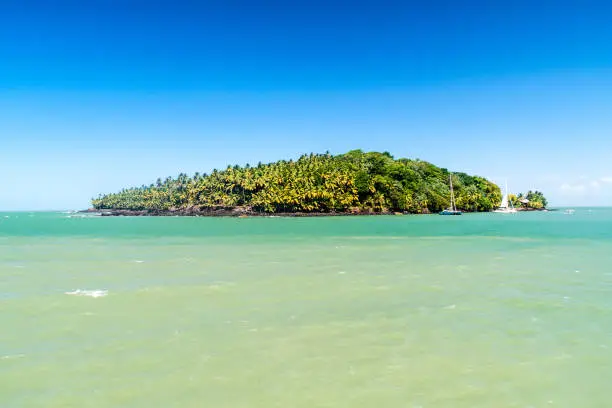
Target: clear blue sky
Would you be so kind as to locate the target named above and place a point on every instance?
(100, 94)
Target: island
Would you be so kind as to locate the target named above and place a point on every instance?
(531, 201)
(353, 183)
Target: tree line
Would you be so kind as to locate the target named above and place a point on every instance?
(532, 199)
(353, 182)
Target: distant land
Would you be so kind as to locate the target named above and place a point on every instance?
(315, 184)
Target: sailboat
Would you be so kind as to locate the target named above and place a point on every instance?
(506, 205)
(452, 210)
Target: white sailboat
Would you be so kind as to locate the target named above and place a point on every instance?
(506, 205)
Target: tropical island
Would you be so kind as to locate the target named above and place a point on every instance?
(315, 184)
(531, 201)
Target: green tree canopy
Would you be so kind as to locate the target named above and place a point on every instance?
(533, 199)
(355, 181)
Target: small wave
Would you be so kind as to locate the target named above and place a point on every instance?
(12, 356)
(91, 293)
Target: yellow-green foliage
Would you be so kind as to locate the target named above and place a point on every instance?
(536, 200)
(315, 183)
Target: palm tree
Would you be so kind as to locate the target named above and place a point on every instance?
(315, 182)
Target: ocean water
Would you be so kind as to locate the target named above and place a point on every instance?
(482, 310)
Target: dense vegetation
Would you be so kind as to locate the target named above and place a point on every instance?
(532, 200)
(351, 182)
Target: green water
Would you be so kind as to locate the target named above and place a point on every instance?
(483, 310)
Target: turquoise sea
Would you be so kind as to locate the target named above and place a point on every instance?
(482, 310)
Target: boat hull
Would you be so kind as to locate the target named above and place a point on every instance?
(450, 212)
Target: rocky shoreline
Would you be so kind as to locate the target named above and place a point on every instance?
(220, 212)
(240, 212)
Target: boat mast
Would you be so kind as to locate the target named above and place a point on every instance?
(508, 196)
(450, 178)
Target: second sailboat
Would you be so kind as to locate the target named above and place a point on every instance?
(452, 210)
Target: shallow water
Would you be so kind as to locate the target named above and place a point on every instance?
(483, 310)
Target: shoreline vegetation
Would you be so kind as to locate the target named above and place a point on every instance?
(355, 183)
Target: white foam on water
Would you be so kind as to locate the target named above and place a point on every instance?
(92, 215)
(91, 293)
(11, 356)
(138, 261)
